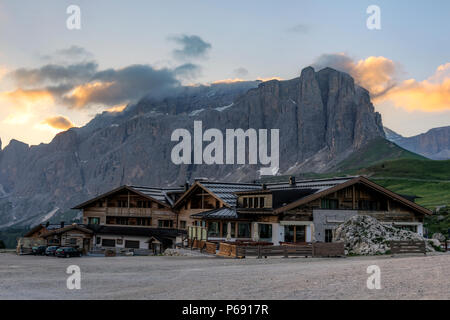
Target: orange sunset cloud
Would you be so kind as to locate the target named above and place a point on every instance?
(59, 122)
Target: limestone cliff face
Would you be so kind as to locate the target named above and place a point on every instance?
(322, 116)
(434, 144)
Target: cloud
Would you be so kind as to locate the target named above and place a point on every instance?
(191, 47)
(54, 74)
(118, 108)
(188, 71)
(430, 95)
(21, 105)
(59, 122)
(269, 79)
(226, 81)
(240, 72)
(82, 85)
(379, 76)
(116, 86)
(376, 74)
(299, 28)
(73, 53)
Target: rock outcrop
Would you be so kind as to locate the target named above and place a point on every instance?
(434, 144)
(323, 117)
(365, 235)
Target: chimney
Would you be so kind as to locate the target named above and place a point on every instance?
(186, 186)
(292, 181)
(62, 224)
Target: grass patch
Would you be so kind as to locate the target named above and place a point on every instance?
(432, 194)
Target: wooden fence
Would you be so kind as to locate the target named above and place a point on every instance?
(303, 250)
(398, 247)
(328, 249)
(210, 247)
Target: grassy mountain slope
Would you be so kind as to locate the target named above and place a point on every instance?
(428, 179)
(399, 170)
(377, 150)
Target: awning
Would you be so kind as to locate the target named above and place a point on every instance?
(296, 223)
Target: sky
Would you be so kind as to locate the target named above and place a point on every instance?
(53, 77)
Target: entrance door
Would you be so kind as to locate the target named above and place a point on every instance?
(294, 234)
(86, 245)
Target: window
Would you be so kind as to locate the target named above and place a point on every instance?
(265, 231)
(98, 240)
(233, 230)
(132, 244)
(217, 204)
(250, 202)
(367, 205)
(119, 242)
(224, 229)
(328, 235)
(213, 229)
(182, 224)
(329, 204)
(100, 203)
(122, 203)
(117, 220)
(255, 203)
(73, 241)
(349, 193)
(165, 223)
(144, 221)
(294, 234)
(300, 234)
(244, 229)
(245, 203)
(93, 220)
(108, 243)
(261, 202)
(411, 228)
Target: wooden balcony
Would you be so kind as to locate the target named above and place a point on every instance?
(128, 212)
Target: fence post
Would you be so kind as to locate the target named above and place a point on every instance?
(285, 251)
(259, 252)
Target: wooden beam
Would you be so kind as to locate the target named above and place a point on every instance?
(353, 197)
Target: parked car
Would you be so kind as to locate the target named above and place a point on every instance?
(50, 251)
(38, 250)
(67, 252)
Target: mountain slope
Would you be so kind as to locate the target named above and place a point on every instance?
(434, 144)
(427, 179)
(323, 117)
(377, 150)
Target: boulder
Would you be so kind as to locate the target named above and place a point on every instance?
(365, 235)
(438, 236)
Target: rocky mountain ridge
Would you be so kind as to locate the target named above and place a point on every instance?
(323, 117)
(433, 144)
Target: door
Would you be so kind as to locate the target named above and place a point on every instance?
(86, 245)
(294, 234)
(131, 244)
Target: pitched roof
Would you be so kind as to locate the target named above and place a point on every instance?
(40, 226)
(222, 191)
(221, 213)
(160, 195)
(328, 189)
(319, 184)
(67, 228)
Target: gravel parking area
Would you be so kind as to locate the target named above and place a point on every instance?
(160, 277)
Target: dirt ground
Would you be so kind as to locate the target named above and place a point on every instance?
(159, 277)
